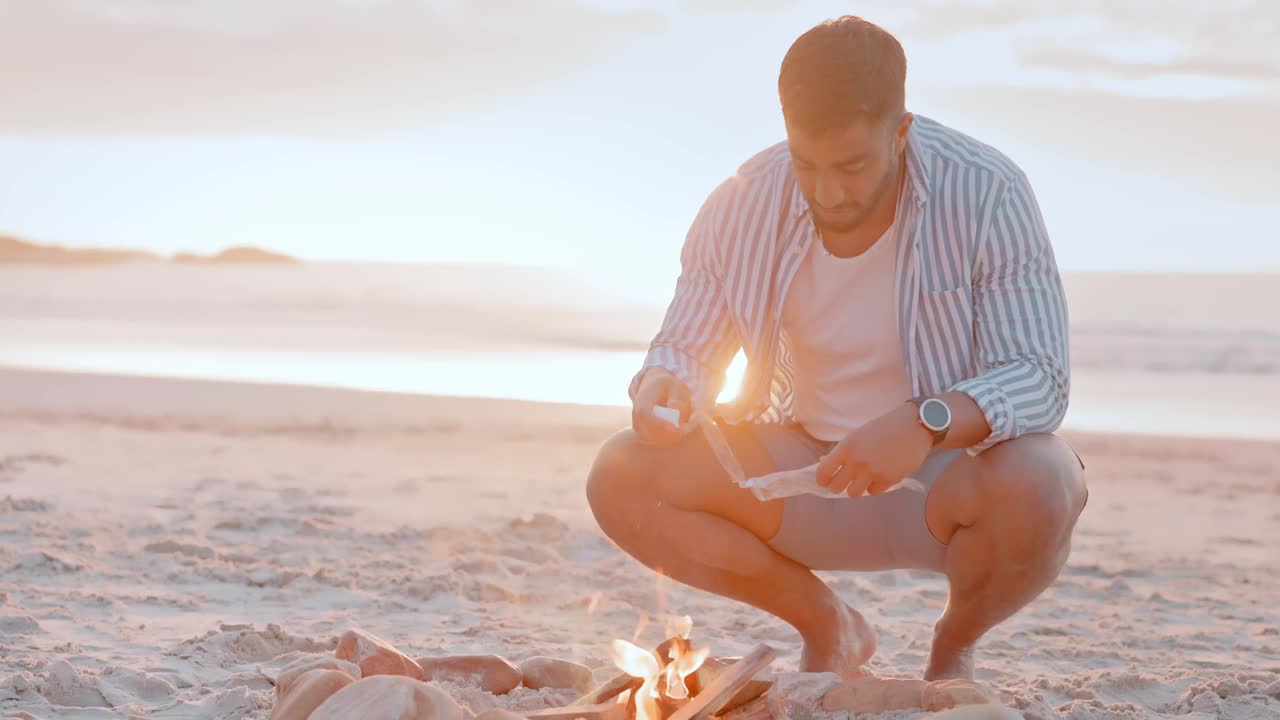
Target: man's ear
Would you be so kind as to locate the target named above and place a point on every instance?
(900, 134)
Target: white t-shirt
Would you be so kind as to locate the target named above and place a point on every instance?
(841, 321)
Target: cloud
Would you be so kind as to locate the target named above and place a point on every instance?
(942, 19)
(734, 5)
(1073, 59)
(288, 66)
(1131, 38)
(1222, 146)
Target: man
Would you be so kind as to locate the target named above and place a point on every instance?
(894, 289)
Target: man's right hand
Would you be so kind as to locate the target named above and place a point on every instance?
(660, 387)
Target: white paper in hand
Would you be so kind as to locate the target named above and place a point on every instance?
(786, 483)
(671, 416)
(801, 481)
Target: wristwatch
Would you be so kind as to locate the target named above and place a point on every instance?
(934, 415)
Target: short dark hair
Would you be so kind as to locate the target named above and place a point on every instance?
(842, 70)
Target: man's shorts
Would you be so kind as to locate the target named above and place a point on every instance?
(872, 532)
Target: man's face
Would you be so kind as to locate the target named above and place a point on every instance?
(845, 173)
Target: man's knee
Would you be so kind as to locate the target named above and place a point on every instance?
(613, 480)
(1035, 483)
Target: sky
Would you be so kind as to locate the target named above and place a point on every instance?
(586, 133)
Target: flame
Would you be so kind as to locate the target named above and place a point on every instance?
(682, 665)
(660, 680)
(594, 603)
(640, 663)
(644, 620)
(634, 661)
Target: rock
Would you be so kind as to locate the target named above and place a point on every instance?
(979, 712)
(711, 669)
(389, 697)
(291, 672)
(539, 672)
(375, 656)
(499, 714)
(945, 694)
(874, 695)
(306, 692)
(490, 673)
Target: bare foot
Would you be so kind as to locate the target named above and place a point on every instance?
(948, 664)
(842, 647)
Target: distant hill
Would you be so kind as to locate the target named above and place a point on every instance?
(14, 251)
(240, 254)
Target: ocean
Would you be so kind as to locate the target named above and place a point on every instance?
(1184, 354)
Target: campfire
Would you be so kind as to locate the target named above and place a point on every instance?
(661, 683)
(672, 682)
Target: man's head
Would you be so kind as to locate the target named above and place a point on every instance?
(842, 87)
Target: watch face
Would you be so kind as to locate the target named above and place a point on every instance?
(935, 413)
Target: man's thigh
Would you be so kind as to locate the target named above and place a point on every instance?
(688, 476)
(868, 533)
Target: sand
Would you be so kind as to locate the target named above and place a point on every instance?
(166, 546)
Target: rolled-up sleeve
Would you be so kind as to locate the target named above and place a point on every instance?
(1021, 326)
(697, 340)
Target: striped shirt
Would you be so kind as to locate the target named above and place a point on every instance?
(980, 303)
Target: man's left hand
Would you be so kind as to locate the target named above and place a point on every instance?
(878, 455)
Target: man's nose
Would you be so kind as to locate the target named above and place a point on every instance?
(828, 192)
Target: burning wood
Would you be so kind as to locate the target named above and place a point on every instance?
(621, 682)
(712, 669)
(609, 689)
(659, 680)
(734, 678)
(666, 683)
(661, 674)
(767, 707)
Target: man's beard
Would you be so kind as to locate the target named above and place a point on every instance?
(864, 209)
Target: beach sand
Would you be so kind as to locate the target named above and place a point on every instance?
(163, 543)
